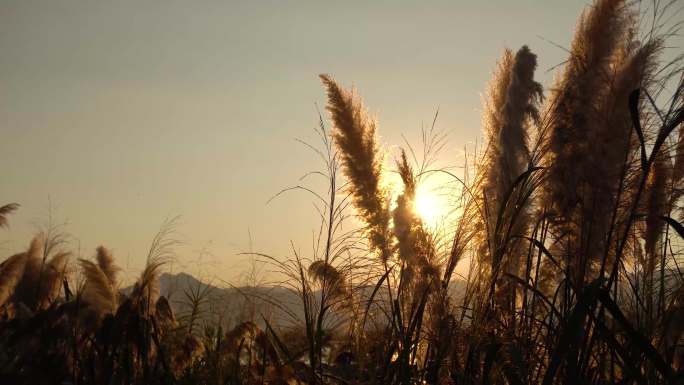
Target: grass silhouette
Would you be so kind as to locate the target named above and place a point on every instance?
(568, 216)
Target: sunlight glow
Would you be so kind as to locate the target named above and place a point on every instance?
(430, 206)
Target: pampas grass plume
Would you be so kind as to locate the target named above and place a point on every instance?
(11, 271)
(354, 135)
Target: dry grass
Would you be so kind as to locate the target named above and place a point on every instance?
(567, 220)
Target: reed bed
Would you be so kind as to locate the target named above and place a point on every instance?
(568, 221)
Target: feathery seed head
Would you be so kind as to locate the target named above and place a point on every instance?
(354, 136)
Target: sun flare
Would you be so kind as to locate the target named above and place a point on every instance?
(430, 206)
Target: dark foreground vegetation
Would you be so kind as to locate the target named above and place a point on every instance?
(569, 218)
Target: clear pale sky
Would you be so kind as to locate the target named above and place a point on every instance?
(124, 113)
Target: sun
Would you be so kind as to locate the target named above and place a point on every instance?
(431, 202)
(430, 206)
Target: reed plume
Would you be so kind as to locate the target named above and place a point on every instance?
(354, 135)
(26, 289)
(236, 336)
(328, 276)
(98, 291)
(164, 312)
(510, 108)
(11, 271)
(146, 288)
(678, 175)
(189, 350)
(105, 261)
(613, 150)
(414, 244)
(512, 105)
(656, 204)
(51, 278)
(322, 271)
(504, 324)
(407, 225)
(492, 188)
(521, 109)
(5, 211)
(678, 170)
(572, 106)
(569, 131)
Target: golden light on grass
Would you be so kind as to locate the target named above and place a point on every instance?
(551, 256)
(432, 203)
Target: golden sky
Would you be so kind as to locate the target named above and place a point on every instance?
(121, 114)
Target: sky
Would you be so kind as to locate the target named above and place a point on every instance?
(118, 115)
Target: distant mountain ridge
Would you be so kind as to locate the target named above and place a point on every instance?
(227, 305)
(232, 305)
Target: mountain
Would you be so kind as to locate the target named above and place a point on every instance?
(233, 305)
(229, 306)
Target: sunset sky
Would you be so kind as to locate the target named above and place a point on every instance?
(121, 114)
